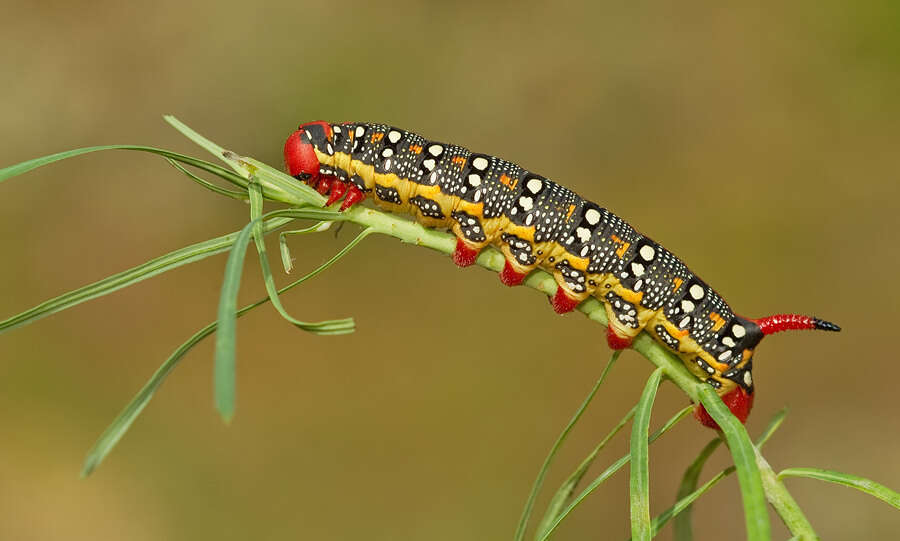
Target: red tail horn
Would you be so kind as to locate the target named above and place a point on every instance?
(793, 322)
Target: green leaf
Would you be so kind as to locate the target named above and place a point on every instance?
(286, 260)
(127, 416)
(234, 194)
(542, 473)
(24, 167)
(682, 525)
(868, 486)
(640, 460)
(149, 269)
(276, 184)
(773, 425)
(565, 491)
(744, 455)
(606, 474)
(224, 362)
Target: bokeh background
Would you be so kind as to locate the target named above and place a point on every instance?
(760, 143)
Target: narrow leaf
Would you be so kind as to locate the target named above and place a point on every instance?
(616, 466)
(742, 450)
(640, 460)
(234, 194)
(24, 167)
(127, 416)
(862, 484)
(545, 467)
(682, 524)
(565, 491)
(115, 282)
(286, 260)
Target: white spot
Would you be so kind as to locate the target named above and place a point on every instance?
(435, 150)
(523, 256)
(476, 229)
(480, 163)
(592, 216)
(471, 221)
(336, 129)
(637, 269)
(697, 291)
(394, 136)
(687, 306)
(360, 131)
(477, 195)
(526, 203)
(429, 164)
(387, 153)
(710, 370)
(534, 185)
(584, 234)
(725, 355)
(529, 219)
(638, 285)
(748, 379)
(728, 341)
(647, 252)
(433, 177)
(684, 322)
(475, 180)
(738, 331)
(584, 251)
(387, 164)
(330, 149)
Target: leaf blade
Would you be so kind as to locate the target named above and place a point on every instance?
(867, 486)
(640, 461)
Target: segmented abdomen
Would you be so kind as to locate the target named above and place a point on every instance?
(538, 223)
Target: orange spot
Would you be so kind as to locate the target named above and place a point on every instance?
(677, 282)
(717, 320)
(459, 162)
(377, 136)
(415, 149)
(571, 210)
(621, 251)
(508, 181)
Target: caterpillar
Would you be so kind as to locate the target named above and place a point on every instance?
(537, 223)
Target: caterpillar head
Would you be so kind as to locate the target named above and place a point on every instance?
(300, 149)
(740, 399)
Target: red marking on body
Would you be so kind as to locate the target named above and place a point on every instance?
(615, 341)
(562, 302)
(338, 189)
(354, 196)
(785, 322)
(739, 401)
(509, 276)
(464, 256)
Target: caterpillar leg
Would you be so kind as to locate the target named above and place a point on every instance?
(616, 340)
(464, 255)
(513, 274)
(563, 301)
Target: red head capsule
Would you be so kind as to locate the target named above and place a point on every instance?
(299, 150)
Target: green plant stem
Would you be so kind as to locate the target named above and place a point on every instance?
(782, 501)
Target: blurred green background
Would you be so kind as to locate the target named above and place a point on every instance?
(759, 143)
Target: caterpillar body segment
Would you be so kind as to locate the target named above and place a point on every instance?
(537, 223)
